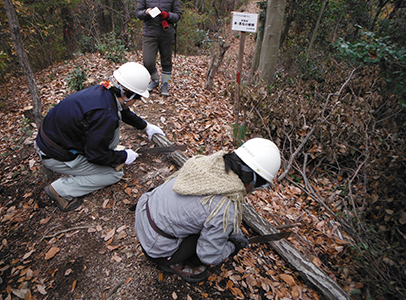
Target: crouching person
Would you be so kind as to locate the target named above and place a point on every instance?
(79, 136)
(194, 218)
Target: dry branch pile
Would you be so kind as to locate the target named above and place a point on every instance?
(345, 134)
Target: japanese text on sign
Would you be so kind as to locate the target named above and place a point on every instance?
(244, 22)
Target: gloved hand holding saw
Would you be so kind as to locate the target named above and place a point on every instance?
(239, 241)
(131, 156)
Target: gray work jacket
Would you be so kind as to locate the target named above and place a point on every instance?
(180, 216)
(152, 26)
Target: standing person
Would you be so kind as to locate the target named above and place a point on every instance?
(79, 135)
(159, 35)
(194, 217)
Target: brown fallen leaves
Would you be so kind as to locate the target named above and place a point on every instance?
(203, 120)
(52, 252)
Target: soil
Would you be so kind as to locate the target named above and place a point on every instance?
(89, 265)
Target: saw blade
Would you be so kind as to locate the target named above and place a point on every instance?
(158, 150)
(269, 237)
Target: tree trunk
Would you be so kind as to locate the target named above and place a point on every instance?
(217, 55)
(255, 59)
(23, 59)
(289, 19)
(380, 7)
(272, 34)
(310, 272)
(323, 6)
(69, 30)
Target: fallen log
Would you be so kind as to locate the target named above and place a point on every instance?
(177, 156)
(308, 270)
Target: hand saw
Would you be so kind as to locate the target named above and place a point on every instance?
(269, 237)
(159, 150)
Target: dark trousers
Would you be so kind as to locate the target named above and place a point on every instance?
(185, 253)
(150, 48)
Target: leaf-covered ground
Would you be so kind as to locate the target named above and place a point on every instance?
(93, 252)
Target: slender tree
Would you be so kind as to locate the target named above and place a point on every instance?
(272, 34)
(323, 6)
(23, 58)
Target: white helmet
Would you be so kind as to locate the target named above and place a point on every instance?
(133, 77)
(262, 156)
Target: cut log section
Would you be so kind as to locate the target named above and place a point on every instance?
(308, 270)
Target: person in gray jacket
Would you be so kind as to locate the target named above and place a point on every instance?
(193, 219)
(159, 35)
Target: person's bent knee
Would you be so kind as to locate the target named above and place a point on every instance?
(117, 175)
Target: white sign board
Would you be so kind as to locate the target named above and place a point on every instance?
(244, 22)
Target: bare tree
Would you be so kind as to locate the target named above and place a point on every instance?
(272, 34)
(257, 53)
(23, 58)
(323, 6)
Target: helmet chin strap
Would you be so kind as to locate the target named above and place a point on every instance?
(120, 87)
(254, 180)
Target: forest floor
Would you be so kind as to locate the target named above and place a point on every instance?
(93, 252)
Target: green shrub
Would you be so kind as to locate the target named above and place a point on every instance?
(4, 59)
(77, 78)
(239, 133)
(390, 57)
(111, 47)
(191, 32)
(87, 44)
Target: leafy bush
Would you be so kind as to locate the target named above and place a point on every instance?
(373, 49)
(191, 32)
(239, 132)
(111, 47)
(4, 59)
(77, 78)
(87, 44)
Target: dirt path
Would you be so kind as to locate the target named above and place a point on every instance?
(93, 252)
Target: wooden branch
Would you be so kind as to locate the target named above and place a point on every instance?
(346, 82)
(294, 155)
(217, 56)
(64, 231)
(310, 272)
(263, 123)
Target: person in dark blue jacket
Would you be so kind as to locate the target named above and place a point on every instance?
(79, 135)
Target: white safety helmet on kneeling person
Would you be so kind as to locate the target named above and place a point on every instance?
(262, 156)
(133, 77)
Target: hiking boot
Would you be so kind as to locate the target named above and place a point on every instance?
(63, 204)
(152, 84)
(164, 89)
(187, 273)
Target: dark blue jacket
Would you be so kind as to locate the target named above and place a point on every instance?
(85, 123)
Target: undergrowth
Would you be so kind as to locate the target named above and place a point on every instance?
(357, 137)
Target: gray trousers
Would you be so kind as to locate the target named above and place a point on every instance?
(85, 176)
(151, 46)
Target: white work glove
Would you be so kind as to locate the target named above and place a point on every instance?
(131, 156)
(152, 129)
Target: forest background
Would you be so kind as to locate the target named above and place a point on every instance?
(335, 106)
